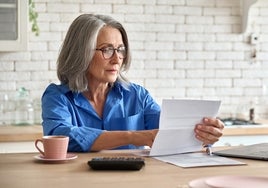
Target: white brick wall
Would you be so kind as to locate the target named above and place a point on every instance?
(180, 48)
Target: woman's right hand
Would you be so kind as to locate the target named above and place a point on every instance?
(143, 138)
(114, 139)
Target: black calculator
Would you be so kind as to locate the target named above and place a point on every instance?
(116, 163)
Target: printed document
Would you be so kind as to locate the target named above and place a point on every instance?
(197, 159)
(175, 141)
(178, 119)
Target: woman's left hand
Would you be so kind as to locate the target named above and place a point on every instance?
(209, 130)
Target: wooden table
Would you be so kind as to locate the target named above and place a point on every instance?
(21, 170)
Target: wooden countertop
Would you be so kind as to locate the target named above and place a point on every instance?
(12, 133)
(245, 130)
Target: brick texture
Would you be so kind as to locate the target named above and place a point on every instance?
(180, 49)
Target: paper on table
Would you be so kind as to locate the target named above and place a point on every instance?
(199, 159)
(177, 121)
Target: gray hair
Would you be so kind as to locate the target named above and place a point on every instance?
(79, 47)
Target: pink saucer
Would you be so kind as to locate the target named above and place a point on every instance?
(237, 182)
(70, 156)
(230, 182)
(198, 183)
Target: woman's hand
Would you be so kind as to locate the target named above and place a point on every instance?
(114, 139)
(209, 131)
(143, 138)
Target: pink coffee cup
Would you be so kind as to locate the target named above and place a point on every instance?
(54, 147)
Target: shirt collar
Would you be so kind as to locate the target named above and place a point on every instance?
(116, 93)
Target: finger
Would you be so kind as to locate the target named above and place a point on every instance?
(204, 130)
(207, 138)
(208, 134)
(213, 122)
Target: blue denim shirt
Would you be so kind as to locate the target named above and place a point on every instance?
(69, 113)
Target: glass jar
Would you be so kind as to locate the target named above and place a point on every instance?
(24, 114)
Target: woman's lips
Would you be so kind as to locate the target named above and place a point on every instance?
(112, 71)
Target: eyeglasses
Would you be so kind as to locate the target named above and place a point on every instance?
(108, 52)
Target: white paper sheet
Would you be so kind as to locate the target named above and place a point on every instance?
(177, 121)
(199, 159)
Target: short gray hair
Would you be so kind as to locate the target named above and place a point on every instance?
(79, 47)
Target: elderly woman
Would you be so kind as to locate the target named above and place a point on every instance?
(95, 105)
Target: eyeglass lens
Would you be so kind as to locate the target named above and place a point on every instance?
(109, 52)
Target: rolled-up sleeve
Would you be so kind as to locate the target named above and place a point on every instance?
(59, 114)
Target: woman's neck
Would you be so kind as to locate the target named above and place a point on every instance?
(96, 96)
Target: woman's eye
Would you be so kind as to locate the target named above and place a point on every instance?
(107, 49)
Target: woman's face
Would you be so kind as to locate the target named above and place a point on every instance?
(103, 69)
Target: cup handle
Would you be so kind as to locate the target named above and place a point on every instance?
(36, 145)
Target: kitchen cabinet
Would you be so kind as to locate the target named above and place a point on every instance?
(13, 25)
(243, 135)
(14, 139)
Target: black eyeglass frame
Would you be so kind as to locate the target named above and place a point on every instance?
(121, 51)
